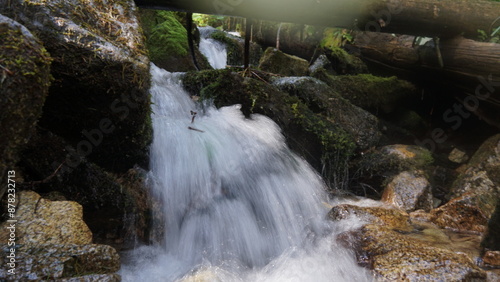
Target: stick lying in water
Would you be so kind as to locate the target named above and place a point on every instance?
(195, 129)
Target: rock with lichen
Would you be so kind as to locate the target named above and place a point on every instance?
(53, 242)
(41, 221)
(469, 212)
(24, 82)
(68, 262)
(99, 98)
(275, 61)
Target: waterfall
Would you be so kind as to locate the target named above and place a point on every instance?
(239, 205)
(214, 50)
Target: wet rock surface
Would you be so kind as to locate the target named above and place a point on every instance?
(396, 248)
(409, 191)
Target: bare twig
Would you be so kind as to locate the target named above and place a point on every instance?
(195, 129)
(47, 179)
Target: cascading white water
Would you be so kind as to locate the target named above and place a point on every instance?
(239, 205)
(214, 50)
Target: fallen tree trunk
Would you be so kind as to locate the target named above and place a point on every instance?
(472, 68)
(445, 18)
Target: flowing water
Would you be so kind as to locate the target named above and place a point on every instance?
(214, 50)
(239, 205)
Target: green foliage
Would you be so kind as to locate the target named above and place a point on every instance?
(209, 20)
(336, 37)
(493, 37)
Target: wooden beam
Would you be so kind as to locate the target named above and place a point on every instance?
(444, 18)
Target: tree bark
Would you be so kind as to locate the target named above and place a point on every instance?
(444, 18)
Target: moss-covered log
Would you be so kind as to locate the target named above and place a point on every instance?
(469, 67)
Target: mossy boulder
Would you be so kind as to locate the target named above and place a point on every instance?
(320, 98)
(235, 49)
(275, 61)
(344, 63)
(99, 100)
(167, 41)
(316, 137)
(372, 93)
(24, 83)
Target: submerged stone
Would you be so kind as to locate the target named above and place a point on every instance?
(398, 249)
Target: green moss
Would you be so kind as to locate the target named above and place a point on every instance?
(275, 61)
(334, 37)
(166, 36)
(370, 92)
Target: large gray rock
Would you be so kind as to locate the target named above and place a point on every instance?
(24, 83)
(409, 190)
(99, 99)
